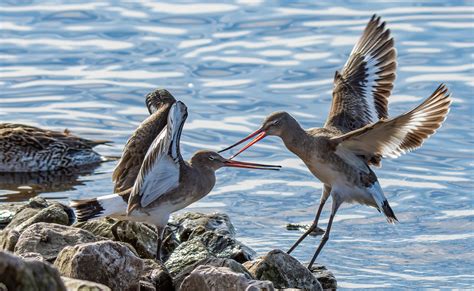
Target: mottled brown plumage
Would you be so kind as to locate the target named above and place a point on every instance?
(25, 148)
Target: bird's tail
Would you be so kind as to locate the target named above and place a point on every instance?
(382, 202)
(108, 205)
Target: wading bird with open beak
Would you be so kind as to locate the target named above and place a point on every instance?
(165, 182)
(358, 132)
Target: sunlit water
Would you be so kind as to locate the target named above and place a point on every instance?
(86, 67)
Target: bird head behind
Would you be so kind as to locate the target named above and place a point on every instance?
(157, 99)
(214, 161)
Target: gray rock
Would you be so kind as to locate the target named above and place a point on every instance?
(212, 261)
(28, 210)
(83, 285)
(325, 277)
(209, 278)
(19, 274)
(155, 276)
(7, 212)
(224, 246)
(283, 270)
(185, 255)
(8, 239)
(48, 239)
(106, 262)
(190, 221)
(304, 227)
(51, 214)
(32, 256)
(140, 235)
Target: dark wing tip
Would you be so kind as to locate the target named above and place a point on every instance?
(86, 209)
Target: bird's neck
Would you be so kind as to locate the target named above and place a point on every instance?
(205, 178)
(294, 138)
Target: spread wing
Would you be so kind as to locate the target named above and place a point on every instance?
(406, 132)
(361, 91)
(160, 171)
(158, 103)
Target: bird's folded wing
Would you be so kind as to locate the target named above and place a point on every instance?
(393, 137)
(361, 91)
(160, 170)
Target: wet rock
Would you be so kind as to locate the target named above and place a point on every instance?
(207, 278)
(51, 214)
(303, 228)
(32, 256)
(190, 221)
(8, 239)
(283, 270)
(185, 255)
(155, 276)
(27, 211)
(83, 285)
(106, 262)
(7, 212)
(212, 261)
(48, 239)
(19, 274)
(224, 246)
(325, 277)
(140, 235)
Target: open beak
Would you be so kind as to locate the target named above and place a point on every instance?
(258, 135)
(237, 164)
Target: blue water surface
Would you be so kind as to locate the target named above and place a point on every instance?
(86, 66)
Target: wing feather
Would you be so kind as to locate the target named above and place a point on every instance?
(361, 91)
(160, 171)
(394, 137)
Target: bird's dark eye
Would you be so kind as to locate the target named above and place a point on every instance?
(276, 122)
(211, 158)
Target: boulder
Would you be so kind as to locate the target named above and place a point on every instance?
(27, 211)
(155, 276)
(7, 212)
(283, 270)
(190, 221)
(107, 262)
(55, 213)
(83, 285)
(225, 246)
(212, 261)
(32, 256)
(209, 278)
(140, 235)
(19, 274)
(8, 239)
(325, 277)
(185, 255)
(48, 239)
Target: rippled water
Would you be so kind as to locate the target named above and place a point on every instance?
(87, 66)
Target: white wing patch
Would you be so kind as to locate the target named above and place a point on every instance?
(160, 170)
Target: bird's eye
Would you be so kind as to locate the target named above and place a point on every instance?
(276, 122)
(211, 158)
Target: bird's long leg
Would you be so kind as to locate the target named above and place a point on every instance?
(159, 241)
(335, 205)
(314, 225)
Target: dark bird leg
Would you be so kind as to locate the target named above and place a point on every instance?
(335, 205)
(324, 197)
(159, 233)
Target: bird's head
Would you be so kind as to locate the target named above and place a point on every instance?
(214, 161)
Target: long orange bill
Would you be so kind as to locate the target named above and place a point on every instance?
(242, 140)
(238, 164)
(258, 134)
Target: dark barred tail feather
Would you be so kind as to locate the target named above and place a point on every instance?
(387, 210)
(87, 209)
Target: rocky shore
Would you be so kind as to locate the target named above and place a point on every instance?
(41, 248)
